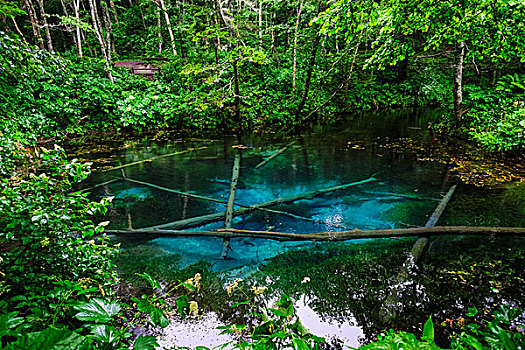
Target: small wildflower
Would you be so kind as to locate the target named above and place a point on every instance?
(197, 279)
(305, 280)
(194, 308)
(231, 287)
(258, 290)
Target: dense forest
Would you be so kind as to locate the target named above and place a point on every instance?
(77, 68)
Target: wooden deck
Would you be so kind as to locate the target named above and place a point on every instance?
(145, 69)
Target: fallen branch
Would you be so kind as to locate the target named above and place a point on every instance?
(99, 185)
(274, 155)
(191, 195)
(393, 194)
(335, 235)
(206, 219)
(153, 158)
(388, 311)
(231, 200)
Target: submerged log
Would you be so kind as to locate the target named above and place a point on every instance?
(274, 155)
(99, 185)
(206, 219)
(388, 311)
(231, 200)
(209, 199)
(335, 235)
(153, 158)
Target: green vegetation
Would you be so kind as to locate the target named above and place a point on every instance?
(229, 65)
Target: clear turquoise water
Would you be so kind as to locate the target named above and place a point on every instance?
(323, 157)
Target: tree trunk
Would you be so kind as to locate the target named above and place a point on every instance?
(334, 236)
(46, 25)
(260, 25)
(237, 91)
(311, 65)
(114, 9)
(206, 219)
(388, 311)
(294, 69)
(76, 7)
(98, 33)
(231, 202)
(18, 30)
(34, 24)
(168, 24)
(109, 30)
(458, 81)
(159, 29)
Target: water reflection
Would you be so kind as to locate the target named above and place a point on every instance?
(349, 282)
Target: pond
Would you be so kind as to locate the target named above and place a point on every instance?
(338, 288)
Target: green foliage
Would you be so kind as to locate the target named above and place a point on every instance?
(496, 118)
(283, 331)
(500, 333)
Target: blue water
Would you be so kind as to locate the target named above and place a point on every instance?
(322, 158)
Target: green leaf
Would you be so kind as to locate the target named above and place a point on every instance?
(182, 304)
(299, 344)
(428, 331)
(9, 321)
(277, 312)
(472, 311)
(104, 333)
(241, 303)
(473, 342)
(505, 339)
(158, 317)
(51, 339)
(152, 281)
(145, 343)
(97, 310)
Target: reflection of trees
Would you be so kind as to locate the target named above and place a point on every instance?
(353, 281)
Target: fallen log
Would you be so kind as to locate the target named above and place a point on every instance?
(231, 200)
(274, 155)
(335, 235)
(99, 185)
(393, 194)
(153, 158)
(206, 219)
(388, 311)
(209, 199)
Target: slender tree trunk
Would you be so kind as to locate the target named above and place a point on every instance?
(168, 24)
(294, 69)
(34, 24)
(76, 7)
(272, 24)
(46, 25)
(260, 24)
(98, 33)
(311, 65)
(109, 30)
(458, 81)
(66, 13)
(237, 91)
(114, 9)
(159, 29)
(18, 30)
